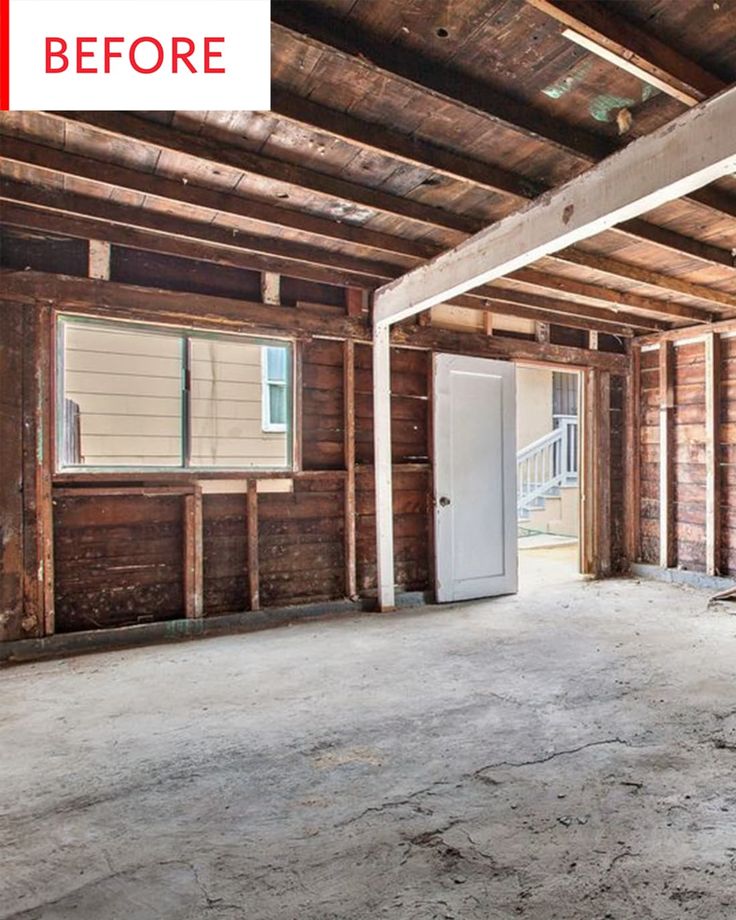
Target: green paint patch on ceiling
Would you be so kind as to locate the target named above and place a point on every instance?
(604, 105)
(562, 87)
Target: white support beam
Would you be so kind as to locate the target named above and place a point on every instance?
(693, 150)
(382, 465)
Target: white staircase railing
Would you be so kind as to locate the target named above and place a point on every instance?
(547, 464)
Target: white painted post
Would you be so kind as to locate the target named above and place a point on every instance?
(382, 464)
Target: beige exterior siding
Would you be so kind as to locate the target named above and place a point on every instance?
(534, 404)
(127, 385)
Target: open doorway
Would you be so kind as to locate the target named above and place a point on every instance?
(548, 473)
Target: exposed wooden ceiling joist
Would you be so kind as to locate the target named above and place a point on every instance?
(216, 154)
(300, 259)
(30, 207)
(634, 50)
(63, 163)
(409, 149)
(328, 33)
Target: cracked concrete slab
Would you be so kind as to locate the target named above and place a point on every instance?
(567, 753)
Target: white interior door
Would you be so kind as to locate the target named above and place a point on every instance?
(475, 477)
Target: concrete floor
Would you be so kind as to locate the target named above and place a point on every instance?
(566, 753)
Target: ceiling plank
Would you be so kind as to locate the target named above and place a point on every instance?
(695, 149)
(630, 48)
(328, 33)
(324, 31)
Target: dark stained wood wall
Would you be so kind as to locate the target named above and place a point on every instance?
(688, 472)
(649, 457)
(120, 552)
(11, 471)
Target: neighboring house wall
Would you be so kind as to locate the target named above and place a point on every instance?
(128, 389)
(534, 404)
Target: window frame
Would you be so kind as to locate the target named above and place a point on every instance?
(185, 336)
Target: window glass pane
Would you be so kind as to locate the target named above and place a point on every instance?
(277, 394)
(121, 401)
(276, 364)
(228, 403)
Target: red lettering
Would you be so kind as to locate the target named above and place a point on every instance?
(209, 54)
(81, 54)
(56, 54)
(145, 54)
(109, 53)
(177, 55)
(159, 51)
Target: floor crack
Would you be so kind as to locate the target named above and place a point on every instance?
(551, 756)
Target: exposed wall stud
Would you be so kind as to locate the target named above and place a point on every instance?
(713, 371)
(252, 524)
(193, 554)
(666, 455)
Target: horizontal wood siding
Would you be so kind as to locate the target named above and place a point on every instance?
(118, 560)
(301, 543)
(323, 410)
(411, 530)
(409, 405)
(689, 456)
(225, 544)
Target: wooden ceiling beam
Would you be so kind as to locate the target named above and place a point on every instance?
(597, 293)
(385, 141)
(20, 198)
(83, 216)
(285, 175)
(617, 268)
(629, 47)
(188, 247)
(121, 126)
(324, 31)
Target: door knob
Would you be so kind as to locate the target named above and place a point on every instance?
(444, 501)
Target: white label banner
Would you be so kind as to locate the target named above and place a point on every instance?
(139, 54)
